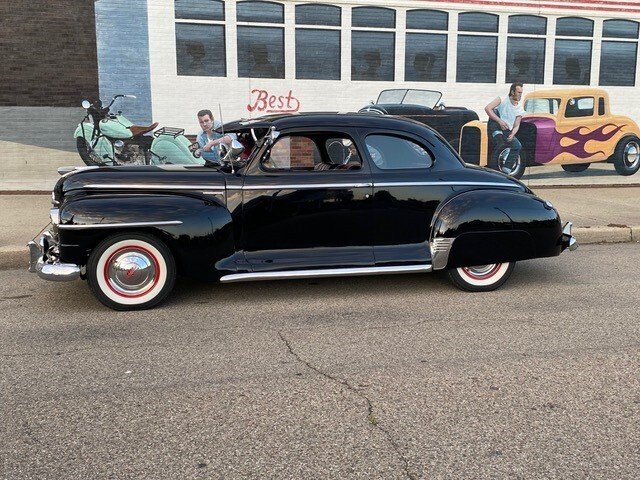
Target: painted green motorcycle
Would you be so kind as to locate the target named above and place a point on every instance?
(105, 138)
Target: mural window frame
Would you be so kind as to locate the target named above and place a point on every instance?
(273, 52)
(364, 63)
(613, 40)
(426, 66)
(473, 33)
(202, 63)
(567, 59)
(534, 33)
(327, 20)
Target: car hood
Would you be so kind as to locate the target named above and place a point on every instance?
(154, 178)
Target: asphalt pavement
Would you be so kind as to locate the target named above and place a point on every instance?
(370, 377)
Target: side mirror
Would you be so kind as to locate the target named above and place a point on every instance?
(86, 104)
(236, 148)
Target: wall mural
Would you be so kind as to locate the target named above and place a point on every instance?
(441, 67)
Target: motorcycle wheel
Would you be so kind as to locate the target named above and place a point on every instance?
(88, 156)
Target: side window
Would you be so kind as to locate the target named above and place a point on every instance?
(389, 152)
(579, 107)
(318, 152)
(601, 110)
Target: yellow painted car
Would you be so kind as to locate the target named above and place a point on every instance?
(568, 127)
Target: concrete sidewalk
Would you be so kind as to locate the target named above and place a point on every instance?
(598, 214)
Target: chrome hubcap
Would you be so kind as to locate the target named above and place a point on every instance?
(632, 154)
(502, 162)
(480, 270)
(131, 272)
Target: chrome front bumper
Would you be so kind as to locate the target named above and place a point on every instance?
(568, 240)
(43, 260)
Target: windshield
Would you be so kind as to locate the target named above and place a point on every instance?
(426, 98)
(542, 105)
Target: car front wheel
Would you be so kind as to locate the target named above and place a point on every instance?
(626, 158)
(513, 169)
(131, 271)
(481, 278)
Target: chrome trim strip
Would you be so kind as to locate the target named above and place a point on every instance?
(440, 248)
(115, 225)
(333, 272)
(147, 186)
(54, 215)
(426, 184)
(365, 185)
(304, 186)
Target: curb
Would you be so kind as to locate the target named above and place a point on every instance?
(18, 257)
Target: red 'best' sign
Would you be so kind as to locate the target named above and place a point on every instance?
(262, 101)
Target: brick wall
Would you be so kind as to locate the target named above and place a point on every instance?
(48, 52)
(302, 152)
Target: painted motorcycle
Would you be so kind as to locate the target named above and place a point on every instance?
(106, 138)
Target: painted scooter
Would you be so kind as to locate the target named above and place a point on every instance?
(105, 138)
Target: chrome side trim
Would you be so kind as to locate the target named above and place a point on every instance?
(116, 225)
(302, 186)
(440, 248)
(145, 186)
(333, 272)
(464, 184)
(365, 185)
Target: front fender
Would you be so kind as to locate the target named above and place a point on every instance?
(493, 226)
(88, 131)
(202, 239)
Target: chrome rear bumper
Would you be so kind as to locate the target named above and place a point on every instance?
(43, 260)
(568, 240)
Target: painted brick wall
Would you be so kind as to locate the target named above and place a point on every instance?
(48, 53)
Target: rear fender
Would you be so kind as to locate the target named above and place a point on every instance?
(198, 231)
(493, 226)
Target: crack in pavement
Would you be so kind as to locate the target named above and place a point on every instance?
(370, 409)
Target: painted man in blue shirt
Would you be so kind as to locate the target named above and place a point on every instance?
(209, 139)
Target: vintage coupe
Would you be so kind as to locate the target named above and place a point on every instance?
(320, 195)
(425, 107)
(568, 127)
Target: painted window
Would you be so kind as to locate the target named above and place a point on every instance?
(527, 24)
(200, 47)
(373, 49)
(477, 54)
(572, 62)
(426, 53)
(390, 152)
(618, 58)
(260, 47)
(199, 9)
(318, 50)
(579, 107)
(526, 45)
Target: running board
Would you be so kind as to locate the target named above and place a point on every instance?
(325, 272)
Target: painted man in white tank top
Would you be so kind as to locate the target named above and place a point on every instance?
(504, 122)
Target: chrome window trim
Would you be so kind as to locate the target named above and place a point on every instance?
(303, 186)
(115, 225)
(453, 184)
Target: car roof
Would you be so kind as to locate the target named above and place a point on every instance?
(328, 119)
(567, 93)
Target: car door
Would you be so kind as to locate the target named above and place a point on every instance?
(307, 202)
(407, 189)
(579, 126)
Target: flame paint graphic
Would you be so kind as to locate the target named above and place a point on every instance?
(597, 135)
(549, 139)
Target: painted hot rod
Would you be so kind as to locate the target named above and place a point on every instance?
(319, 195)
(568, 127)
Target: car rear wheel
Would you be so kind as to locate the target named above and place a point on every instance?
(481, 278)
(131, 271)
(575, 167)
(626, 158)
(513, 169)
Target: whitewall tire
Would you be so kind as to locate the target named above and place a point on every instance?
(131, 271)
(481, 278)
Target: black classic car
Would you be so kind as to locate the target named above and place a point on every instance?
(425, 107)
(319, 195)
